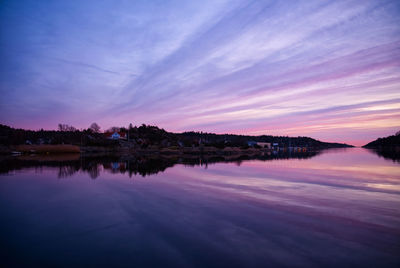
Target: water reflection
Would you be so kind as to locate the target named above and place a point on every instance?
(338, 208)
(143, 165)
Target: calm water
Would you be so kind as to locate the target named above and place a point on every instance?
(338, 208)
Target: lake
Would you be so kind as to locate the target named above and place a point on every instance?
(336, 208)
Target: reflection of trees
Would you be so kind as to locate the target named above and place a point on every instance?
(66, 171)
(388, 153)
(137, 165)
(94, 171)
(239, 159)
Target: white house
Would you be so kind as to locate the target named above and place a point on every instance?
(115, 136)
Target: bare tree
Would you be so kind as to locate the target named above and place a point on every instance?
(95, 127)
(65, 127)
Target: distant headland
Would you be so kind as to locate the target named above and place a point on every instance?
(386, 142)
(387, 147)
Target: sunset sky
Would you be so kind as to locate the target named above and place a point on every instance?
(325, 69)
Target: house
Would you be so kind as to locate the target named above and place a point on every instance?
(261, 144)
(116, 135)
(251, 143)
(266, 145)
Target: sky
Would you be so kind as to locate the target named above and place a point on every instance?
(325, 69)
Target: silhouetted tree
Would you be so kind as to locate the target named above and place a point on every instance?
(95, 127)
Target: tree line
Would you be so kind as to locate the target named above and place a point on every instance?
(144, 136)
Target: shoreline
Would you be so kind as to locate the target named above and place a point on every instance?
(48, 149)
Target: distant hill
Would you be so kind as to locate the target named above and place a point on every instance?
(387, 142)
(238, 140)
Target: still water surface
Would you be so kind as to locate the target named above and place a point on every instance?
(338, 208)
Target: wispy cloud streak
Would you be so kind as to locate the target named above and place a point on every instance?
(328, 69)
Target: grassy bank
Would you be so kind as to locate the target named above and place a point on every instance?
(48, 148)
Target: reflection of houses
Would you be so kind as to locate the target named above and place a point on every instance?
(116, 135)
(115, 166)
